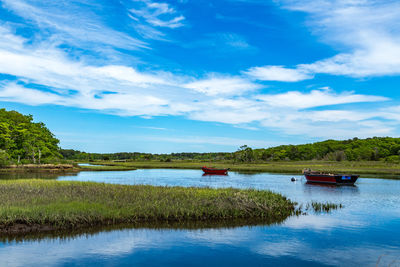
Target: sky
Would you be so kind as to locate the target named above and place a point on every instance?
(202, 76)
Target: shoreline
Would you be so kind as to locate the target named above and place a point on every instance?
(365, 168)
(379, 170)
(26, 229)
(59, 168)
(50, 168)
(49, 232)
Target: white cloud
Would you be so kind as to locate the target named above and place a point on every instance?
(126, 91)
(366, 31)
(157, 14)
(220, 85)
(72, 23)
(332, 124)
(153, 128)
(278, 73)
(316, 98)
(15, 93)
(213, 140)
(127, 74)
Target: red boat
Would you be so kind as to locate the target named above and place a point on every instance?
(214, 171)
(330, 178)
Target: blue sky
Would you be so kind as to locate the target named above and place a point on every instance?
(172, 76)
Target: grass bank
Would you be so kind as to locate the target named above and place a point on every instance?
(42, 205)
(48, 168)
(366, 168)
(61, 168)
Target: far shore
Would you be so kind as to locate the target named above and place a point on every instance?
(364, 168)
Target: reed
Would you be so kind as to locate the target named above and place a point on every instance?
(39, 205)
(323, 207)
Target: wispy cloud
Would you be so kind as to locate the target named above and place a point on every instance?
(222, 85)
(366, 31)
(316, 98)
(213, 140)
(72, 22)
(152, 128)
(223, 42)
(156, 14)
(123, 90)
(44, 73)
(278, 73)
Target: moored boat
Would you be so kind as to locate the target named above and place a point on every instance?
(207, 170)
(330, 178)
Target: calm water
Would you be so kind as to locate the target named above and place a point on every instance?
(366, 232)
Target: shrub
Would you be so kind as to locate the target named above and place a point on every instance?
(393, 159)
(4, 158)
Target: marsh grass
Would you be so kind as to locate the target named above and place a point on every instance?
(34, 205)
(323, 207)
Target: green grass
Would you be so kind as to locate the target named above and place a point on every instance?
(71, 205)
(366, 168)
(317, 207)
(47, 168)
(324, 207)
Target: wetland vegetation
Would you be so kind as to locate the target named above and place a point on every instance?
(323, 207)
(45, 205)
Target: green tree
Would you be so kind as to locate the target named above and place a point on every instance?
(21, 138)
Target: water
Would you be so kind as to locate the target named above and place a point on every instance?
(89, 164)
(366, 232)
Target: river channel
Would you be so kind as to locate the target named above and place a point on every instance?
(365, 232)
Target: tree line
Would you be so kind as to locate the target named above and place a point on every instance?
(369, 149)
(24, 141)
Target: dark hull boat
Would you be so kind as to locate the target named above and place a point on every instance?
(328, 178)
(215, 171)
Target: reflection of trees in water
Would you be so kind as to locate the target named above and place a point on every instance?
(248, 173)
(33, 175)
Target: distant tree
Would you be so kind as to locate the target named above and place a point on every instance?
(244, 154)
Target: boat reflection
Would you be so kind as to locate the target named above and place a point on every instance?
(328, 185)
(312, 188)
(209, 174)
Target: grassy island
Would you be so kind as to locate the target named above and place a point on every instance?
(42, 205)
